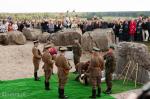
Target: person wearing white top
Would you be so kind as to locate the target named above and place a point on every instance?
(15, 26)
(3, 27)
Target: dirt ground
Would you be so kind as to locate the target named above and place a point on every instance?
(128, 95)
(16, 61)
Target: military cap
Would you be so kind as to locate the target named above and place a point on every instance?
(96, 49)
(36, 41)
(63, 49)
(48, 46)
(112, 47)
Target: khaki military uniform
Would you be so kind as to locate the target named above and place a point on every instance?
(82, 67)
(77, 53)
(48, 65)
(109, 68)
(63, 70)
(36, 58)
(95, 68)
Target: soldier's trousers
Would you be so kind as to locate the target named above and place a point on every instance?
(36, 64)
(95, 81)
(48, 74)
(62, 81)
(108, 78)
(36, 68)
(76, 60)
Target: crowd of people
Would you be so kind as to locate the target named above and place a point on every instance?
(125, 29)
(52, 26)
(132, 30)
(7, 25)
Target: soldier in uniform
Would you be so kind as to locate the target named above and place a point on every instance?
(82, 67)
(36, 59)
(77, 52)
(63, 71)
(109, 68)
(48, 65)
(94, 70)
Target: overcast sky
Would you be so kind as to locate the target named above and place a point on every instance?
(14, 6)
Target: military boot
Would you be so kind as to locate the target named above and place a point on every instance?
(99, 92)
(108, 91)
(36, 78)
(86, 81)
(61, 94)
(93, 94)
(47, 86)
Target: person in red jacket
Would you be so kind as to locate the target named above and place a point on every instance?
(132, 29)
(10, 27)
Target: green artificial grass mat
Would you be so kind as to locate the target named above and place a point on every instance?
(29, 89)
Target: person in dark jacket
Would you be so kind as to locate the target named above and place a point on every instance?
(89, 26)
(138, 35)
(121, 31)
(81, 26)
(44, 26)
(116, 28)
(96, 25)
(20, 26)
(104, 25)
(125, 30)
(57, 26)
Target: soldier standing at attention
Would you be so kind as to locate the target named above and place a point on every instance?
(36, 59)
(48, 65)
(94, 70)
(77, 52)
(109, 68)
(63, 71)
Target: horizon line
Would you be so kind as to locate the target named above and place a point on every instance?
(70, 12)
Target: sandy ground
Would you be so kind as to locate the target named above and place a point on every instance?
(16, 61)
(128, 94)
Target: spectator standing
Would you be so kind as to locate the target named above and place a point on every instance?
(125, 30)
(89, 26)
(10, 28)
(20, 26)
(145, 30)
(44, 26)
(51, 26)
(139, 30)
(132, 29)
(57, 26)
(74, 24)
(3, 26)
(148, 25)
(121, 31)
(116, 28)
(15, 26)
